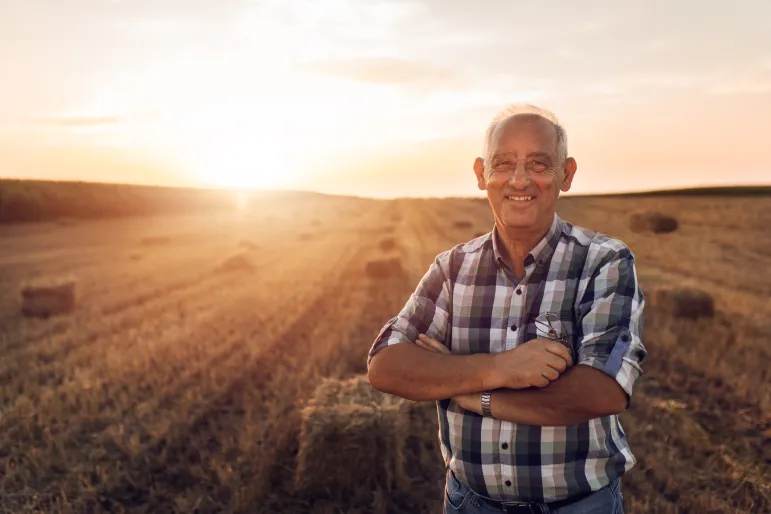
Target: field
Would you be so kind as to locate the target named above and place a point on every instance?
(176, 383)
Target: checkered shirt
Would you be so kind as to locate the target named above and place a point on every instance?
(471, 301)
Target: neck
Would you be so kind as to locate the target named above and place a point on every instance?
(518, 242)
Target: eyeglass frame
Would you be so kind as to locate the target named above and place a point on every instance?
(552, 332)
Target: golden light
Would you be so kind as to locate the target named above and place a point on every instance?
(239, 158)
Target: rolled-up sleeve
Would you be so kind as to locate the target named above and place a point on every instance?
(426, 311)
(611, 321)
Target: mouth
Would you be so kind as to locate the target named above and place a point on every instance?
(520, 198)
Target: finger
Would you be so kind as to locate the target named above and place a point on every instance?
(541, 382)
(550, 373)
(426, 346)
(433, 343)
(560, 350)
(421, 344)
(556, 362)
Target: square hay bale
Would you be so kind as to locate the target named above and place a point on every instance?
(239, 262)
(655, 222)
(384, 268)
(44, 299)
(350, 451)
(246, 244)
(684, 302)
(389, 243)
(352, 442)
(155, 241)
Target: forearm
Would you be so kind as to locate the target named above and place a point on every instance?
(411, 372)
(580, 394)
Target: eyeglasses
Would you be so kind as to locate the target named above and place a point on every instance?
(508, 168)
(551, 325)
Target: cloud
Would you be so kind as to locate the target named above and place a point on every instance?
(75, 122)
(390, 71)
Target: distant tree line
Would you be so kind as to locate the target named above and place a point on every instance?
(36, 200)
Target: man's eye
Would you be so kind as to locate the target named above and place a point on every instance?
(539, 166)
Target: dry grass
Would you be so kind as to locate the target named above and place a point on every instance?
(174, 389)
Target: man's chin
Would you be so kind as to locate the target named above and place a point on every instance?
(520, 221)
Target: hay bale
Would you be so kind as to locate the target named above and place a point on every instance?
(655, 222)
(384, 268)
(464, 224)
(155, 241)
(239, 262)
(306, 236)
(388, 243)
(684, 303)
(48, 299)
(351, 443)
(65, 221)
(135, 256)
(248, 245)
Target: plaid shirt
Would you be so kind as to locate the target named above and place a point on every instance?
(470, 300)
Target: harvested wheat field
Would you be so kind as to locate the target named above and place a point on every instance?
(184, 378)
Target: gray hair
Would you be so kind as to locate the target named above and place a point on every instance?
(503, 117)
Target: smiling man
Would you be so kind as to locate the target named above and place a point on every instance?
(528, 338)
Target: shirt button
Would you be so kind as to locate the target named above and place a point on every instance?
(508, 483)
(505, 446)
(519, 290)
(513, 328)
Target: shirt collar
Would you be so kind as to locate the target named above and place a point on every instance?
(542, 251)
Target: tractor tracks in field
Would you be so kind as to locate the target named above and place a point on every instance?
(144, 432)
(274, 361)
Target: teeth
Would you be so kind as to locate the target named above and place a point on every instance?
(520, 198)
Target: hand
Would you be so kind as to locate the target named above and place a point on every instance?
(429, 343)
(471, 401)
(535, 363)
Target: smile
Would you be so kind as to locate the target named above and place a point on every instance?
(519, 198)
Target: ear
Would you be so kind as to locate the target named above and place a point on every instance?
(568, 172)
(479, 171)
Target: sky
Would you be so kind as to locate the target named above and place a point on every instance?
(380, 98)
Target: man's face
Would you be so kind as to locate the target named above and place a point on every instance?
(523, 177)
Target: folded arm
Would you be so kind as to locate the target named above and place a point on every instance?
(578, 395)
(609, 356)
(410, 372)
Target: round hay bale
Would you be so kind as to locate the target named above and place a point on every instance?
(239, 262)
(655, 222)
(684, 303)
(44, 300)
(384, 268)
(464, 224)
(388, 243)
(136, 256)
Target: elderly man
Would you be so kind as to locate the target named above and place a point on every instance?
(528, 338)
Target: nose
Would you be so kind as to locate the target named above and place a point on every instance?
(520, 178)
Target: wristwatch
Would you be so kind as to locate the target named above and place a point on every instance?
(486, 404)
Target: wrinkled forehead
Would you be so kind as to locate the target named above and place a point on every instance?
(526, 133)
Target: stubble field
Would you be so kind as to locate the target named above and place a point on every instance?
(176, 383)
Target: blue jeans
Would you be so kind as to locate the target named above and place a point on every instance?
(458, 497)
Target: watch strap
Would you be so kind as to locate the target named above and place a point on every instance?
(486, 396)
